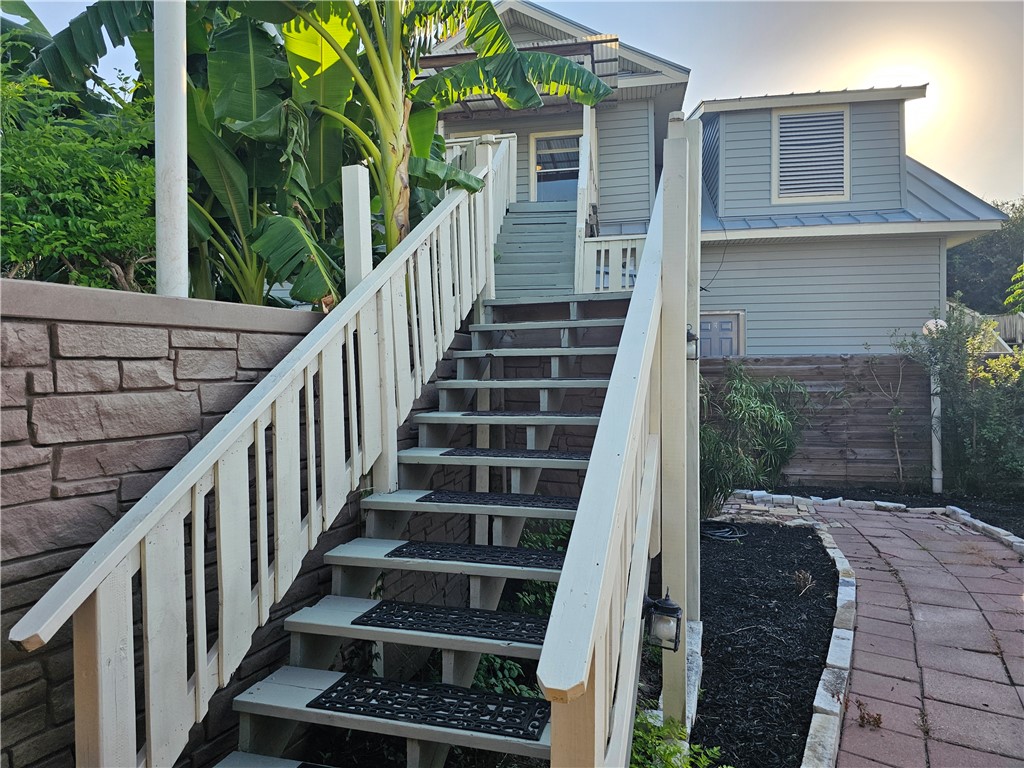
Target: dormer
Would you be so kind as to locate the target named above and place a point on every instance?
(807, 153)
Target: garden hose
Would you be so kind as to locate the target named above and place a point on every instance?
(724, 532)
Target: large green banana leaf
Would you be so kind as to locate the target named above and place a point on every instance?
(558, 76)
(22, 10)
(288, 248)
(435, 174)
(77, 49)
(503, 75)
(240, 69)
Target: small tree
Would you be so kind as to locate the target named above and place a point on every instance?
(982, 404)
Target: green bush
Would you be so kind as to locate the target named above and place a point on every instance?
(660, 745)
(982, 405)
(749, 431)
(77, 199)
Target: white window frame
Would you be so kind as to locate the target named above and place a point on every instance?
(741, 326)
(822, 198)
(533, 154)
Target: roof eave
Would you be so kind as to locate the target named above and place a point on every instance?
(901, 93)
(952, 229)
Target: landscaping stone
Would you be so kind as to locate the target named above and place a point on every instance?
(24, 345)
(87, 375)
(13, 387)
(80, 418)
(147, 374)
(222, 397)
(828, 700)
(85, 487)
(25, 485)
(14, 425)
(263, 350)
(40, 382)
(822, 741)
(56, 524)
(889, 506)
(81, 340)
(18, 456)
(840, 650)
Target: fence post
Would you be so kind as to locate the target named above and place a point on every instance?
(936, 402)
(692, 130)
(355, 191)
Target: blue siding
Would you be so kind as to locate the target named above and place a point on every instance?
(709, 153)
(874, 162)
(625, 162)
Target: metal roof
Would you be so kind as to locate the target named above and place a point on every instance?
(771, 101)
(932, 200)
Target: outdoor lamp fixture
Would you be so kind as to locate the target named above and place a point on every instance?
(664, 622)
(932, 327)
(692, 344)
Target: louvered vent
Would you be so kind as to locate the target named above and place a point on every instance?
(812, 154)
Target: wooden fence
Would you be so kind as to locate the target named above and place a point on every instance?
(849, 439)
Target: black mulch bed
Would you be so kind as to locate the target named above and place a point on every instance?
(1007, 513)
(764, 643)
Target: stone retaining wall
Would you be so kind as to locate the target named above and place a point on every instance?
(102, 393)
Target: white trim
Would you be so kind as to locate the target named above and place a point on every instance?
(533, 154)
(778, 199)
(821, 98)
(971, 228)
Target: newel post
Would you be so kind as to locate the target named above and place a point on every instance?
(355, 193)
(679, 487)
(485, 154)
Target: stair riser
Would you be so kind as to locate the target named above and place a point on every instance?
(492, 510)
(443, 566)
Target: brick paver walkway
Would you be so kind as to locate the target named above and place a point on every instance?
(939, 646)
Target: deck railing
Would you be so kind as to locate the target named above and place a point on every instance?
(234, 507)
(611, 264)
(639, 497)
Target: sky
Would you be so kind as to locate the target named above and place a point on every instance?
(969, 128)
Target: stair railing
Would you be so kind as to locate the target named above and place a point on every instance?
(610, 264)
(640, 493)
(238, 514)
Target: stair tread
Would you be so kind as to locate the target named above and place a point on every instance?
(535, 418)
(535, 352)
(495, 457)
(374, 553)
(437, 626)
(573, 298)
(286, 693)
(544, 325)
(467, 502)
(562, 383)
(249, 760)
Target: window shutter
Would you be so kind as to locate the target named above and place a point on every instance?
(812, 154)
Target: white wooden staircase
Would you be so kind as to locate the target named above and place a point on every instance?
(242, 510)
(527, 421)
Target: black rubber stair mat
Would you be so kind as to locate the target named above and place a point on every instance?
(511, 453)
(437, 704)
(500, 499)
(470, 622)
(516, 557)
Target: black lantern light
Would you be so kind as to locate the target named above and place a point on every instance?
(664, 622)
(692, 344)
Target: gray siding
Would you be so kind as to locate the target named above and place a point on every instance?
(709, 155)
(625, 162)
(624, 154)
(874, 163)
(829, 297)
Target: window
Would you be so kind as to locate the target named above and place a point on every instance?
(721, 334)
(811, 155)
(555, 158)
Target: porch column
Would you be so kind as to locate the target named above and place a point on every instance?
(171, 148)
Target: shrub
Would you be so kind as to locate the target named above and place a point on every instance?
(749, 431)
(660, 745)
(77, 199)
(982, 405)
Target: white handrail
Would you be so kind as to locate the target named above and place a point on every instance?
(356, 375)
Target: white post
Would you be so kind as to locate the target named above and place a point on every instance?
(355, 194)
(171, 149)
(485, 154)
(674, 388)
(936, 436)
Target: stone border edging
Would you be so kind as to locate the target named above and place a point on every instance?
(1014, 542)
(821, 749)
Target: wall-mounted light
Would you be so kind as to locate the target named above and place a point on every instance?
(932, 327)
(692, 344)
(664, 622)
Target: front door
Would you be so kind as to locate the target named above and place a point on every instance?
(556, 165)
(720, 334)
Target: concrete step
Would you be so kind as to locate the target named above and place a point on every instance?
(495, 457)
(372, 553)
(286, 693)
(333, 616)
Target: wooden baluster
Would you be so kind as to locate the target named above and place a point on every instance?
(445, 285)
(385, 468)
(205, 683)
(287, 490)
(355, 440)
(424, 295)
(400, 327)
(314, 517)
(370, 384)
(415, 321)
(333, 481)
(170, 711)
(104, 660)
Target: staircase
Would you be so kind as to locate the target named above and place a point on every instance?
(528, 394)
(534, 250)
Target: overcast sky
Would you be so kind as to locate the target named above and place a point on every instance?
(970, 127)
